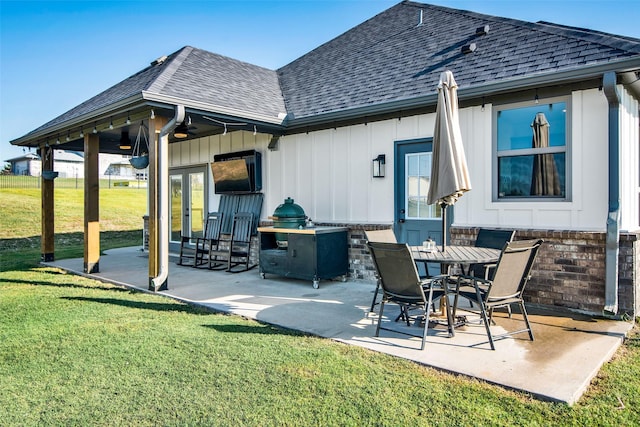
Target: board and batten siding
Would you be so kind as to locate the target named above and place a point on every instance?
(329, 172)
(629, 161)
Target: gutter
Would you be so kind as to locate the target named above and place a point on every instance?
(613, 216)
(159, 283)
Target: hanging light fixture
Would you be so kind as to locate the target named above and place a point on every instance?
(111, 123)
(128, 119)
(81, 133)
(125, 142)
(181, 131)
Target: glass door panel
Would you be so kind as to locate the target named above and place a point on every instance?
(175, 208)
(196, 203)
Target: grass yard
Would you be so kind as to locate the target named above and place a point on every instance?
(74, 351)
(121, 211)
(79, 352)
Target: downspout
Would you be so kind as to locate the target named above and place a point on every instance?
(613, 216)
(159, 282)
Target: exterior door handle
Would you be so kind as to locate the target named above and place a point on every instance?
(401, 220)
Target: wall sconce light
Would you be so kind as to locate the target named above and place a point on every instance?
(378, 166)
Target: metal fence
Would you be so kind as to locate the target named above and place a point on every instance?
(23, 181)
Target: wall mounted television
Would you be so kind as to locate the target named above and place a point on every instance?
(237, 173)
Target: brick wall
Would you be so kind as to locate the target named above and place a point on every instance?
(570, 269)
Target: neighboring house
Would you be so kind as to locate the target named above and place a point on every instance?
(28, 164)
(319, 121)
(70, 164)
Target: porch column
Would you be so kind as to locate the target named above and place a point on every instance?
(155, 126)
(91, 204)
(47, 211)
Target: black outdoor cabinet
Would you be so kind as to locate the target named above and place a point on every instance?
(315, 254)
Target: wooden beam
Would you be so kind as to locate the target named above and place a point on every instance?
(47, 207)
(91, 204)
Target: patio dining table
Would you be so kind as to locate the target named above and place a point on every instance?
(456, 255)
(462, 256)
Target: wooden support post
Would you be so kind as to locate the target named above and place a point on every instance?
(91, 204)
(47, 211)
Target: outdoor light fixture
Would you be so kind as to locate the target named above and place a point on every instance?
(128, 119)
(81, 133)
(378, 166)
(181, 131)
(95, 129)
(111, 123)
(125, 142)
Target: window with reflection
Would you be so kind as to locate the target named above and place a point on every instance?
(532, 151)
(418, 171)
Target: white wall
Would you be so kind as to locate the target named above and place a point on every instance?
(629, 159)
(328, 172)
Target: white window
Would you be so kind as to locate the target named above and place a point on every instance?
(531, 151)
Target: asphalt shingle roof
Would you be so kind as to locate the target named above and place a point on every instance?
(194, 75)
(391, 57)
(385, 59)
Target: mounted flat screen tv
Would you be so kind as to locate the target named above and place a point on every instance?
(237, 173)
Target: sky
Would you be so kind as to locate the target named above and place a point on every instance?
(55, 55)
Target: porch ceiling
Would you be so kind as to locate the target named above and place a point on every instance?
(110, 127)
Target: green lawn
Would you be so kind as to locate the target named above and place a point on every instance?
(121, 211)
(75, 351)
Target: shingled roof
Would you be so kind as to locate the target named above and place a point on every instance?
(193, 77)
(396, 55)
(390, 61)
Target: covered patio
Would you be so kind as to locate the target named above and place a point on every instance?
(568, 350)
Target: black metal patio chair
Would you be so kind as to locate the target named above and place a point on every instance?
(386, 235)
(490, 238)
(510, 277)
(402, 285)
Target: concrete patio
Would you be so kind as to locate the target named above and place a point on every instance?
(567, 353)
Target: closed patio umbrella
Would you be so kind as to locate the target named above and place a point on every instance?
(545, 180)
(449, 174)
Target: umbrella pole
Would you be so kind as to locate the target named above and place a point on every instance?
(443, 206)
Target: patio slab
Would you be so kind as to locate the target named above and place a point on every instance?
(567, 353)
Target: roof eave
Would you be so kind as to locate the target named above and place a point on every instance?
(217, 109)
(122, 105)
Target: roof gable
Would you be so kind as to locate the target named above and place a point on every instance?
(192, 75)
